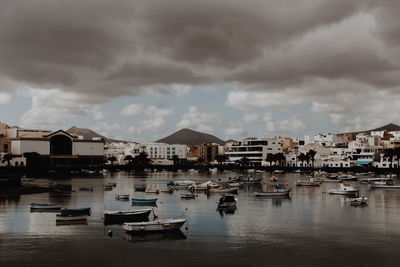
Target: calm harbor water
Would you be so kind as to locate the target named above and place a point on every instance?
(312, 228)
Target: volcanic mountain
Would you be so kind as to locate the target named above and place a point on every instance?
(190, 137)
(389, 127)
(88, 134)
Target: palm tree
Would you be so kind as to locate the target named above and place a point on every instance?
(302, 157)
(112, 159)
(389, 153)
(175, 159)
(32, 159)
(280, 157)
(7, 158)
(141, 161)
(270, 158)
(311, 154)
(244, 161)
(220, 159)
(129, 159)
(397, 154)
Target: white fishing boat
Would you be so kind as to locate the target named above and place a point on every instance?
(180, 184)
(223, 189)
(308, 181)
(279, 171)
(384, 185)
(344, 189)
(377, 179)
(239, 184)
(154, 226)
(347, 177)
(204, 186)
(252, 180)
(277, 190)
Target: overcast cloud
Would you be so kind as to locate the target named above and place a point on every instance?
(327, 61)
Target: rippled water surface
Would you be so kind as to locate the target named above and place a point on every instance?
(311, 228)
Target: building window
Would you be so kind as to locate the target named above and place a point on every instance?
(5, 148)
(16, 163)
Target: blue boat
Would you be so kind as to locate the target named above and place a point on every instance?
(75, 212)
(144, 201)
(140, 189)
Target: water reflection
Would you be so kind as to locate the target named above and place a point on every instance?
(155, 236)
(80, 222)
(309, 218)
(226, 210)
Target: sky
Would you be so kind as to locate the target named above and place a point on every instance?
(141, 69)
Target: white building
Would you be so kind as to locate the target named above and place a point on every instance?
(254, 149)
(164, 151)
(122, 149)
(327, 140)
(60, 147)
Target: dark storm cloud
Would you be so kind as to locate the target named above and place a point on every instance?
(129, 46)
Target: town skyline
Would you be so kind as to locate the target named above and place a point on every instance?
(132, 68)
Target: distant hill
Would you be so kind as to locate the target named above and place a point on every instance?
(389, 127)
(190, 137)
(88, 134)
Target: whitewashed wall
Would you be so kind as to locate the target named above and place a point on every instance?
(88, 149)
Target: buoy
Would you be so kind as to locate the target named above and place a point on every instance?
(110, 233)
(185, 208)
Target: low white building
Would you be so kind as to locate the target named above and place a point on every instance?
(254, 149)
(164, 151)
(59, 146)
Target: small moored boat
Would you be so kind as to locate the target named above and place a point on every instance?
(252, 180)
(86, 188)
(384, 185)
(152, 191)
(227, 201)
(155, 226)
(359, 201)
(71, 217)
(308, 181)
(144, 201)
(122, 197)
(188, 196)
(78, 211)
(140, 188)
(119, 217)
(108, 187)
(223, 189)
(344, 189)
(45, 206)
(277, 190)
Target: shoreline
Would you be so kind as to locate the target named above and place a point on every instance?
(23, 190)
